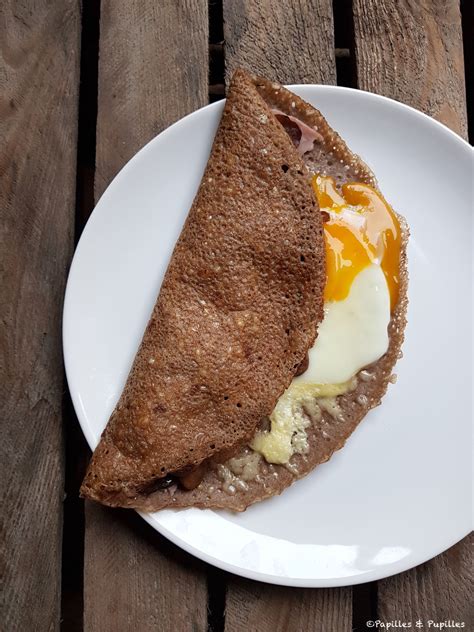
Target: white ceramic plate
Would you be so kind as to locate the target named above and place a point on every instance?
(399, 492)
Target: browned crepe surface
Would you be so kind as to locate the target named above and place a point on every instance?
(326, 435)
(238, 309)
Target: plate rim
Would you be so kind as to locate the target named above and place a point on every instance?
(379, 572)
(296, 582)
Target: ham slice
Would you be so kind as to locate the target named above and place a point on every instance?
(308, 135)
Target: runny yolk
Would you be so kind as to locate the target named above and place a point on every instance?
(361, 229)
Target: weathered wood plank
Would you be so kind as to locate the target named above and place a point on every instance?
(135, 580)
(257, 607)
(152, 71)
(290, 42)
(413, 52)
(294, 44)
(440, 590)
(39, 79)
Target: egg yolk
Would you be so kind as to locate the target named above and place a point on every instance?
(361, 229)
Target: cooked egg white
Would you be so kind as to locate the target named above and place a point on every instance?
(353, 333)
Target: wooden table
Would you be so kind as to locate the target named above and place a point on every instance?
(70, 118)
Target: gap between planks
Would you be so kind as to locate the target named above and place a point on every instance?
(77, 452)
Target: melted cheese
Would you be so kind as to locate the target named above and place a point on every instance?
(287, 434)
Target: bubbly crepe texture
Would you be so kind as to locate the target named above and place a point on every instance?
(237, 311)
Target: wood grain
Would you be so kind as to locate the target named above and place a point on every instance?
(136, 580)
(291, 42)
(39, 78)
(153, 68)
(440, 590)
(257, 607)
(412, 51)
(294, 44)
(157, 75)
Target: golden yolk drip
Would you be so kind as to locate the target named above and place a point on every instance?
(361, 229)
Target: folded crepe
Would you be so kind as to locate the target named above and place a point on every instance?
(238, 310)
